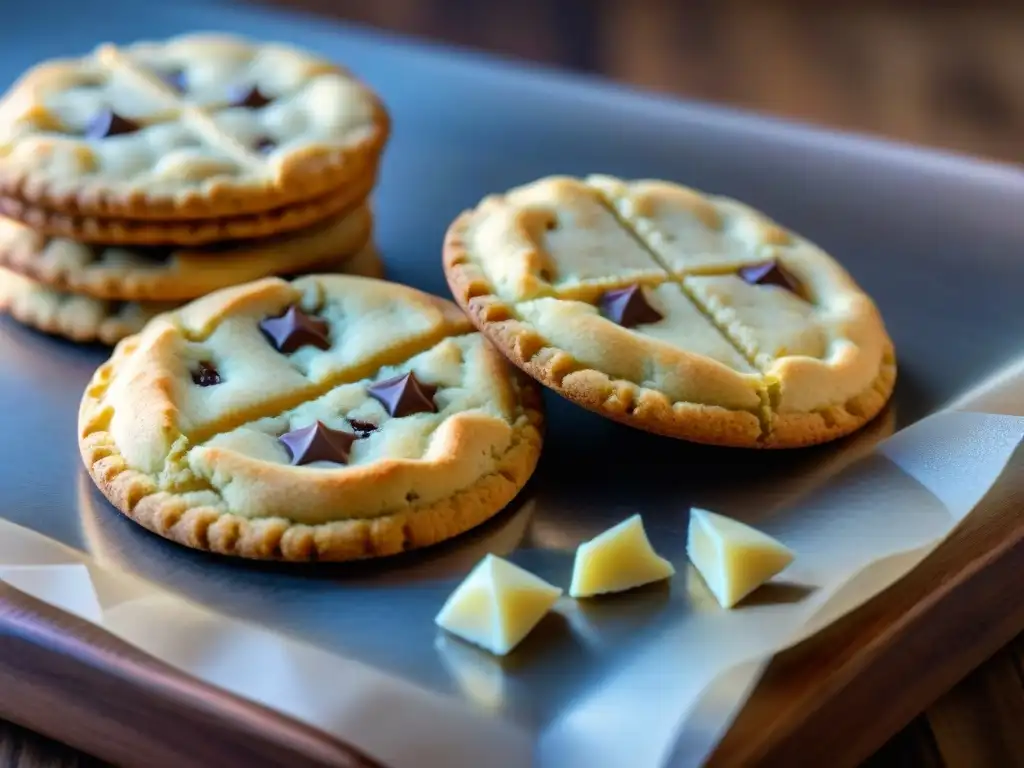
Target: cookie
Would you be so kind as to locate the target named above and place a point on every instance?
(329, 418)
(78, 318)
(198, 126)
(174, 274)
(190, 233)
(673, 311)
(87, 319)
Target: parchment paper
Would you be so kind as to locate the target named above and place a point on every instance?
(876, 519)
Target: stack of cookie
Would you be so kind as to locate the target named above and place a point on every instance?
(136, 179)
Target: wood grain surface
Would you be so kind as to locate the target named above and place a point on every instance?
(944, 74)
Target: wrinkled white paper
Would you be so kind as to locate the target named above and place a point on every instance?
(876, 520)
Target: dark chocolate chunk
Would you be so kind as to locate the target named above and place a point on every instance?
(108, 123)
(248, 96)
(175, 79)
(628, 307)
(404, 395)
(205, 375)
(265, 145)
(769, 273)
(362, 428)
(318, 443)
(295, 329)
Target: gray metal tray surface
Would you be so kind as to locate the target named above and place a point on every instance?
(937, 240)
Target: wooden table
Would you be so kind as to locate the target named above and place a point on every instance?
(946, 75)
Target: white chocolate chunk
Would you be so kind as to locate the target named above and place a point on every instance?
(497, 605)
(733, 558)
(621, 558)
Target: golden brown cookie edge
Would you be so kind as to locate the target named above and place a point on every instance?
(801, 430)
(196, 233)
(108, 331)
(124, 289)
(170, 516)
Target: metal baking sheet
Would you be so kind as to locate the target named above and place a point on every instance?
(936, 240)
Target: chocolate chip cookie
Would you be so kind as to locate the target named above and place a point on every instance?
(199, 126)
(330, 418)
(673, 311)
(136, 273)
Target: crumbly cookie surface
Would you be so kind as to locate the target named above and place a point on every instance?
(212, 425)
(673, 311)
(174, 274)
(201, 125)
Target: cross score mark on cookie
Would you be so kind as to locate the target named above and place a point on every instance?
(678, 312)
(170, 91)
(428, 430)
(629, 306)
(402, 395)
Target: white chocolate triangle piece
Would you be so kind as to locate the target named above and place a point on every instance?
(733, 558)
(621, 558)
(497, 605)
